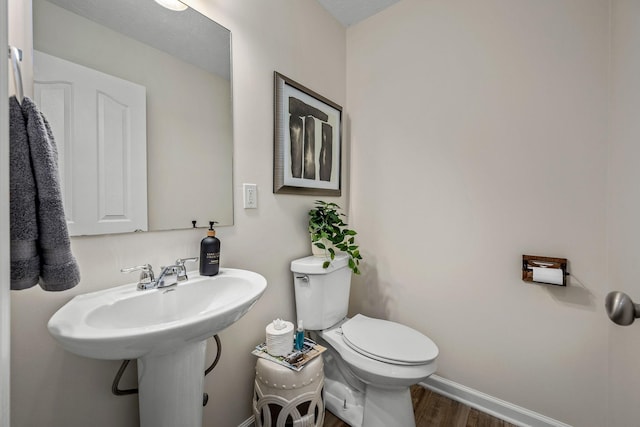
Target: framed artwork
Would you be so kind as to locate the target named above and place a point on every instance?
(307, 141)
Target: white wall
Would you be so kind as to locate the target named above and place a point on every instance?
(478, 134)
(5, 302)
(15, 17)
(53, 388)
(624, 207)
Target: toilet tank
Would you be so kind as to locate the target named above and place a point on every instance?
(322, 294)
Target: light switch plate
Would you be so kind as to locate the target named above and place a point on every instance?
(250, 196)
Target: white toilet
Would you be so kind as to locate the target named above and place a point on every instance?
(369, 363)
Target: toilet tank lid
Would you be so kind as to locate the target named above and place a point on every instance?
(313, 264)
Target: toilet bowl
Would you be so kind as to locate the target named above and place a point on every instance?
(413, 359)
(369, 363)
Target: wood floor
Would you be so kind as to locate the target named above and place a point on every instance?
(434, 410)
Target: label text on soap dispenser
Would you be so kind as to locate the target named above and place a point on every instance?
(213, 257)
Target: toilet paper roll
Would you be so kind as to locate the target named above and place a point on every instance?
(279, 337)
(554, 276)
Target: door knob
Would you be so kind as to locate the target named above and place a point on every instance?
(620, 308)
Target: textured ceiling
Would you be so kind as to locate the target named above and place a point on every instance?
(187, 35)
(350, 12)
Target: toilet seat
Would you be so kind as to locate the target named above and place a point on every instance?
(388, 341)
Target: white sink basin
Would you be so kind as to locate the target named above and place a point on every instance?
(126, 323)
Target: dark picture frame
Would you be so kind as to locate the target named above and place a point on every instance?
(307, 141)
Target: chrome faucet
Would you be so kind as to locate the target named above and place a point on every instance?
(169, 276)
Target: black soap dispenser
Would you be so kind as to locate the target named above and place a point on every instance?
(210, 253)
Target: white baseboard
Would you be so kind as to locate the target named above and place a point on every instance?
(488, 404)
(248, 422)
(506, 411)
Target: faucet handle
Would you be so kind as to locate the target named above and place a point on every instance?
(182, 271)
(147, 279)
(181, 261)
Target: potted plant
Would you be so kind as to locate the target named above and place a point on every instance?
(330, 233)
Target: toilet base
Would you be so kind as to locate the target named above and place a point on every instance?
(388, 407)
(344, 402)
(377, 407)
(359, 404)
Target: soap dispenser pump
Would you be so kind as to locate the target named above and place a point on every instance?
(210, 253)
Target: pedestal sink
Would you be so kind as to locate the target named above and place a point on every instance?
(165, 330)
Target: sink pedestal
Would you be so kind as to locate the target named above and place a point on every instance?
(170, 387)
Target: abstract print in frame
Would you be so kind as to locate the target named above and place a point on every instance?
(307, 141)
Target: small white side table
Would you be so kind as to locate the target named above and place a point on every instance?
(283, 397)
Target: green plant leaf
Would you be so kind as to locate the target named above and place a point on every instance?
(326, 224)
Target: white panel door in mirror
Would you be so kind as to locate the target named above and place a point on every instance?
(99, 122)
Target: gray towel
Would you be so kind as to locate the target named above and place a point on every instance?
(25, 262)
(58, 268)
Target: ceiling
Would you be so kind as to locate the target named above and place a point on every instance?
(350, 12)
(187, 35)
(204, 45)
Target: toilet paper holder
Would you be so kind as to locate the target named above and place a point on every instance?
(549, 270)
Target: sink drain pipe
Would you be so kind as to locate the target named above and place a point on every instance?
(115, 389)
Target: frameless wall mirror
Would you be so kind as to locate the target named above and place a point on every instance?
(139, 100)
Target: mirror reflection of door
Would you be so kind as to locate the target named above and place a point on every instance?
(100, 126)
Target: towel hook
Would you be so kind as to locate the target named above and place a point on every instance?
(16, 56)
(19, 53)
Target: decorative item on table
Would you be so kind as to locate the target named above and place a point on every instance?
(279, 337)
(299, 341)
(296, 359)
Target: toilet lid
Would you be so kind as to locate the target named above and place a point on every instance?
(388, 341)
